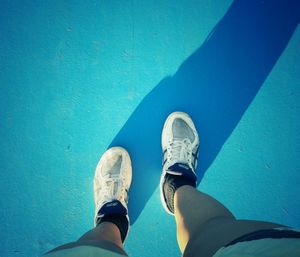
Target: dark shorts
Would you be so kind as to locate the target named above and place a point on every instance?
(271, 242)
(276, 242)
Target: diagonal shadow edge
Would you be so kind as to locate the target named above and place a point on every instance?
(215, 85)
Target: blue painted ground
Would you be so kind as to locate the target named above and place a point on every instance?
(79, 76)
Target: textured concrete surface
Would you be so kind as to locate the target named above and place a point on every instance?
(79, 76)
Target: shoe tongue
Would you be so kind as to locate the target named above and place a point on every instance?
(112, 208)
(182, 169)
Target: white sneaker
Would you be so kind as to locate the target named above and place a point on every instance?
(180, 143)
(111, 183)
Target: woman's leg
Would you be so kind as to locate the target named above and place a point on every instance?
(204, 225)
(105, 231)
(106, 235)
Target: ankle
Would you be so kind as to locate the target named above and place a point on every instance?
(119, 221)
(172, 184)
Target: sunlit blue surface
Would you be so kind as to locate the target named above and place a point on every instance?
(79, 76)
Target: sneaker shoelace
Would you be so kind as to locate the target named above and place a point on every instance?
(113, 188)
(179, 151)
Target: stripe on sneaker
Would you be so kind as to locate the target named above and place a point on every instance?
(164, 158)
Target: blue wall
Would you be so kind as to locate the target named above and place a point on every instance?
(79, 76)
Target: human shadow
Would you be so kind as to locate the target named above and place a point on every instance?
(215, 85)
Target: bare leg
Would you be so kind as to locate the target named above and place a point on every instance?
(106, 231)
(106, 236)
(204, 225)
